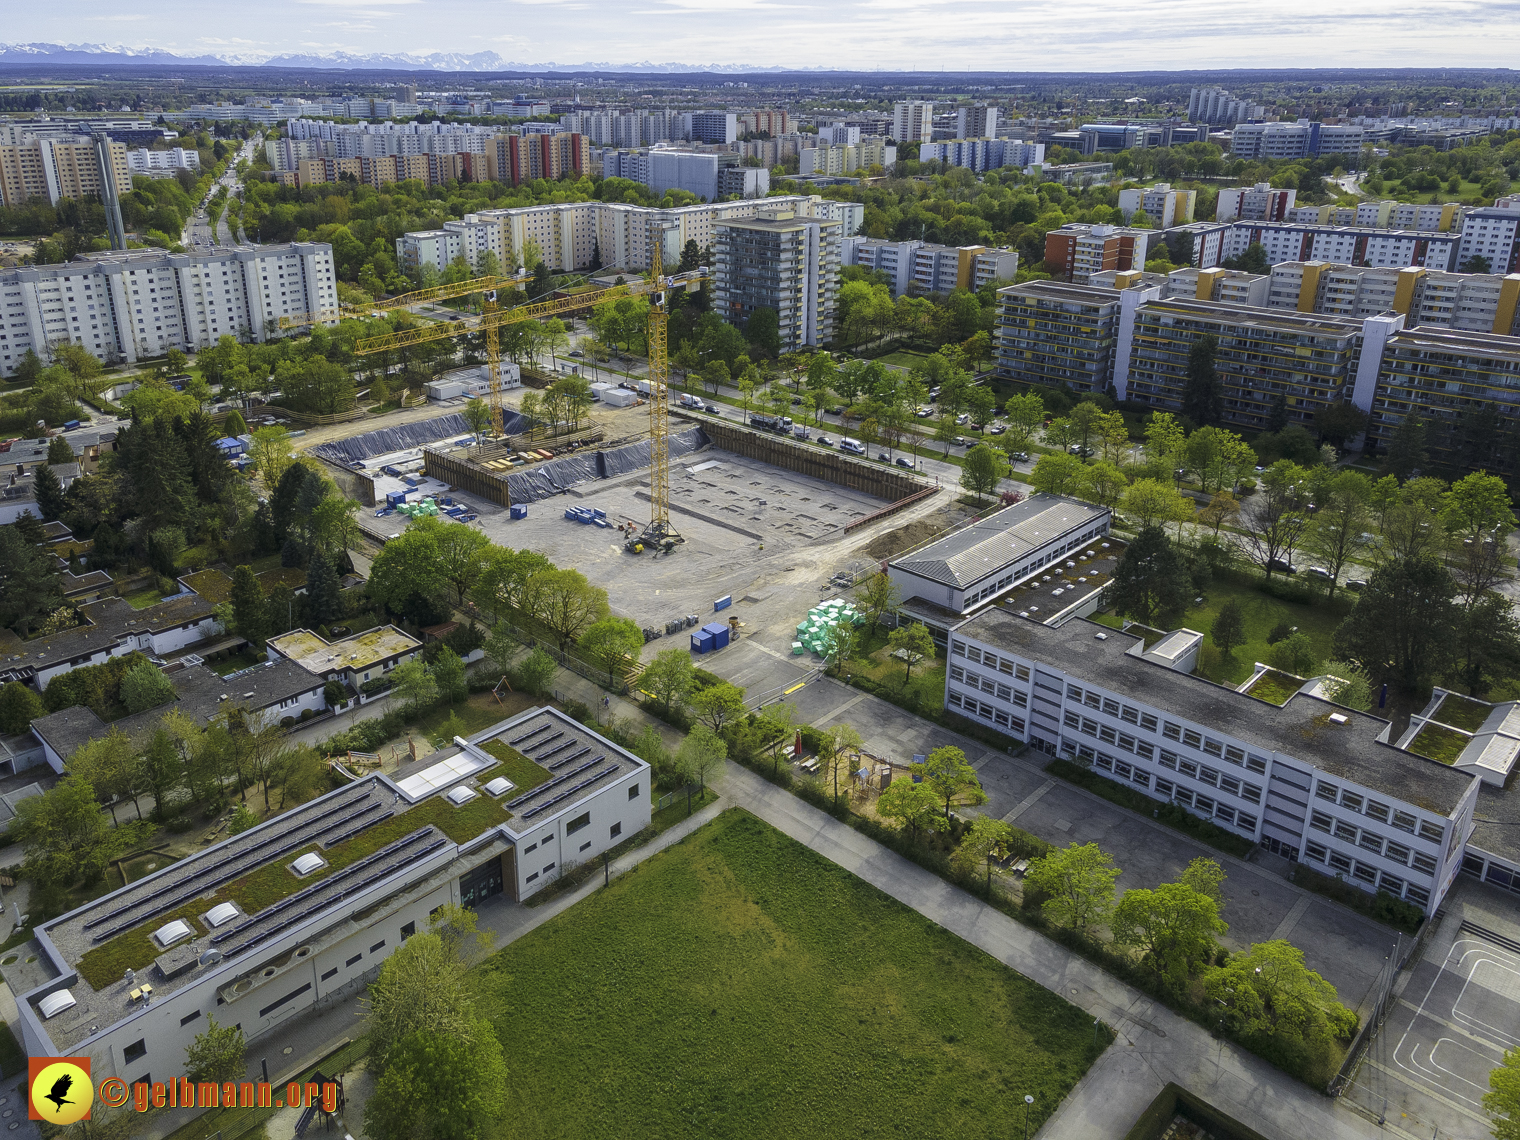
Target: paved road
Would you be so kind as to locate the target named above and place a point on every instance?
(198, 232)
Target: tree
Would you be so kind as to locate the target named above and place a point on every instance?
(504, 578)
(49, 492)
(219, 1054)
(250, 617)
(413, 682)
(1340, 422)
(1151, 503)
(449, 676)
(1173, 927)
(913, 806)
(1079, 883)
(65, 835)
(878, 596)
(462, 553)
(324, 597)
(19, 706)
(270, 454)
(407, 574)
(28, 577)
(946, 771)
(916, 643)
(1223, 508)
(535, 673)
(1404, 623)
(1502, 1101)
(1488, 643)
(162, 772)
(700, 754)
(718, 704)
(1347, 684)
(1277, 517)
(1406, 449)
(1268, 989)
(439, 1086)
(1293, 654)
(565, 602)
(983, 469)
(234, 425)
(669, 677)
(478, 416)
(1334, 535)
(1477, 512)
(1201, 398)
(1149, 579)
(59, 451)
(108, 763)
(1059, 474)
(1024, 416)
(763, 330)
(611, 642)
(424, 986)
(986, 840)
(144, 686)
(1229, 628)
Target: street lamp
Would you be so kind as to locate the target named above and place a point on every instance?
(1028, 1100)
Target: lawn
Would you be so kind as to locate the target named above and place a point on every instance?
(1462, 712)
(903, 358)
(243, 659)
(738, 984)
(924, 688)
(516, 767)
(1275, 688)
(1439, 743)
(478, 711)
(142, 599)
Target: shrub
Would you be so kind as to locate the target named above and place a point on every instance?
(287, 721)
(179, 824)
(307, 714)
(1280, 632)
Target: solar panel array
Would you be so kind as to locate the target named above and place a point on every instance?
(568, 792)
(551, 740)
(555, 782)
(570, 758)
(350, 880)
(228, 867)
(542, 756)
(517, 740)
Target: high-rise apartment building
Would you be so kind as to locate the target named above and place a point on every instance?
(163, 163)
(1493, 236)
(1218, 107)
(1454, 382)
(1078, 250)
(981, 154)
(131, 305)
(712, 126)
(1164, 206)
(977, 121)
(773, 123)
(829, 159)
(924, 267)
(1259, 203)
(912, 121)
(781, 261)
(59, 168)
(1051, 333)
(1302, 139)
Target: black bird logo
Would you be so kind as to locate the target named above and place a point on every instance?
(60, 1092)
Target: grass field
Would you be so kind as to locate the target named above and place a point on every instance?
(1439, 743)
(739, 985)
(1463, 712)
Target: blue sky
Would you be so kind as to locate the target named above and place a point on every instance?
(1023, 35)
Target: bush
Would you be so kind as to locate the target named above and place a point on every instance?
(307, 714)
(179, 824)
(1247, 486)
(287, 721)
(335, 692)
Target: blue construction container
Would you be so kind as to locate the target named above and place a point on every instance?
(518, 511)
(719, 633)
(723, 603)
(702, 640)
(598, 513)
(395, 498)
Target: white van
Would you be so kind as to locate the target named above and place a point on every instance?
(853, 446)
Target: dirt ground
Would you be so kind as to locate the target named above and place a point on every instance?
(894, 542)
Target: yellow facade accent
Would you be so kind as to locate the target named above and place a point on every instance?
(1308, 288)
(1448, 217)
(1509, 298)
(1127, 278)
(1403, 292)
(965, 264)
(1207, 279)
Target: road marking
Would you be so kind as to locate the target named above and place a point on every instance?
(1285, 927)
(793, 689)
(1029, 801)
(841, 710)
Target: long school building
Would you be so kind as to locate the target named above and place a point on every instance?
(1310, 780)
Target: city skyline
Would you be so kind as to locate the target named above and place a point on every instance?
(930, 35)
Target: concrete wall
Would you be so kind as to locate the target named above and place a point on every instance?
(878, 479)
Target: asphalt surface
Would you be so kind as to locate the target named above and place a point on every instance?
(199, 233)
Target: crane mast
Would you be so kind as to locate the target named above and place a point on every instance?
(659, 534)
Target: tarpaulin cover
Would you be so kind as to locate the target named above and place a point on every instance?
(404, 437)
(559, 475)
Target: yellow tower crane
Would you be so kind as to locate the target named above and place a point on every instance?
(659, 534)
(402, 301)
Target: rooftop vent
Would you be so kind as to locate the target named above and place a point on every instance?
(172, 932)
(308, 863)
(460, 796)
(1100, 637)
(55, 1003)
(221, 914)
(1338, 718)
(499, 786)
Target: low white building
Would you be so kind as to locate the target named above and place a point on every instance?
(364, 867)
(162, 163)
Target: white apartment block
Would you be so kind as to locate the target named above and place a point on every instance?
(982, 153)
(124, 306)
(1287, 241)
(1471, 302)
(162, 163)
(976, 122)
(1494, 235)
(924, 267)
(785, 262)
(1302, 139)
(1217, 106)
(912, 121)
(1309, 780)
(1164, 206)
(1259, 203)
(1385, 215)
(1224, 286)
(830, 159)
(567, 234)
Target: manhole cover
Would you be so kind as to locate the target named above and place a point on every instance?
(14, 1124)
(1255, 892)
(8, 1113)
(288, 1050)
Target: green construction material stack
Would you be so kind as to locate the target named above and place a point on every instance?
(816, 632)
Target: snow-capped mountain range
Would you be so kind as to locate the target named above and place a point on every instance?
(119, 55)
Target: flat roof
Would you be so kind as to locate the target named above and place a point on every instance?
(1001, 539)
(1064, 291)
(1300, 729)
(1457, 341)
(357, 651)
(1260, 316)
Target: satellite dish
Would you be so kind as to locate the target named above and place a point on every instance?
(210, 957)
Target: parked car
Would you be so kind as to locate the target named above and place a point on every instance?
(924, 413)
(577, 352)
(963, 419)
(796, 400)
(998, 429)
(713, 408)
(1279, 564)
(1319, 572)
(826, 440)
(1078, 449)
(883, 457)
(961, 441)
(1019, 456)
(904, 461)
(1356, 584)
(835, 411)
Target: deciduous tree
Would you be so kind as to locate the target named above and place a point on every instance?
(219, 1054)
(565, 602)
(1404, 623)
(1173, 927)
(878, 596)
(952, 778)
(611, 643)
(700, 754)
(1229, 628)
(983, 468)
(669, 677)
(985, 841)
(717, 705)
(915, 807)
(916, 643)
(1079, 883)
(1149, 579)
(144, 686)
